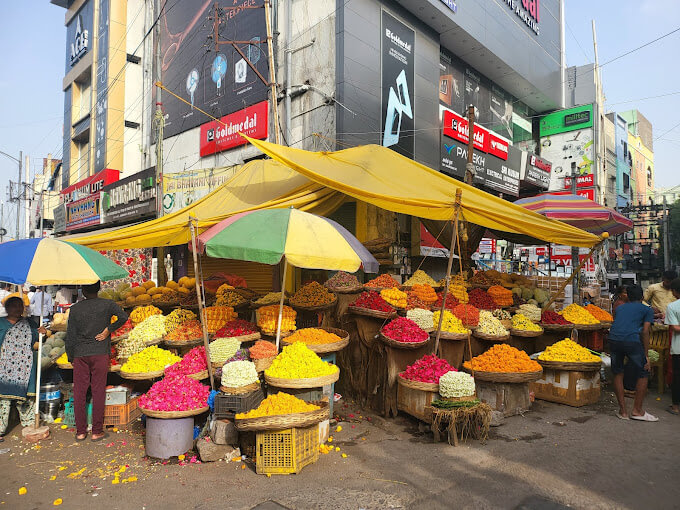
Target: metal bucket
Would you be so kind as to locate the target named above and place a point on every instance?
(167, 438)
(50, 399)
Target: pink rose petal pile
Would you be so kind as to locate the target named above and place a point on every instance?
(175, 393)
(193, 362)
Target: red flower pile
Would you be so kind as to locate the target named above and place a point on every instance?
(384, 281)
(451, 302)
(427, 369)
(175, 393)
(468, 314)
(550, 317)
(415, 302)
(238, 327)
(123, 330)
(404, 330)
(193, 362)
(372, 301)
(479, 298)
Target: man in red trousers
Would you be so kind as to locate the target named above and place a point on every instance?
(88, 347)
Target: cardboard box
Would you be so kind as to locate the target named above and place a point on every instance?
(568, 387)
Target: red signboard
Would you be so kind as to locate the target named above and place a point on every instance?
(585, 193)
(582, 181)
(89, 186)
(457, 127)
(218, 136)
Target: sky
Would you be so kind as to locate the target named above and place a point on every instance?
(33, 42)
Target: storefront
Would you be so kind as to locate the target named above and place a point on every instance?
(81, 203)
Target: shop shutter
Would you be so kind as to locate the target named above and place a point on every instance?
(258, 276)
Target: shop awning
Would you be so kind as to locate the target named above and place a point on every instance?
(384, 178)
(319, 182)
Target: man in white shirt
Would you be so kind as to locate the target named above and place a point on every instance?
(41, 304)
(4, 292)
(673, 321)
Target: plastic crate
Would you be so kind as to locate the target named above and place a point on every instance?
(121, 415)
(70, 416)
(226, 406)
(282, 452)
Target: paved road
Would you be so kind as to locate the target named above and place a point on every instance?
(553, 456)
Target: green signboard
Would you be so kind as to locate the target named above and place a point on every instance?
(571, 119)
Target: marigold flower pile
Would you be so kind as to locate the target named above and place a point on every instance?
(503, 358)
(297, 361)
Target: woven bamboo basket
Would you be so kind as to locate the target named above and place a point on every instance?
(241, 390)
(155, 341)
(505, 377)
(263, 364)
(308, 382)
(402, 345)
(318, 308)
(376, 289)
(506, 323)
(65, 366)
(445, 335)
(199, 376)
(285, 421)
(245, 338)
(57, 328)
(524, 333)
(331, 347)
(168, 415)
(558, 327)
(183, 343)
(490, 338)
(348, 290)
(119, 338)
(114, 368)
(588, 327)
(372, 313)
(573, 366)
(606, 324)
(417, 385)
(142, 376)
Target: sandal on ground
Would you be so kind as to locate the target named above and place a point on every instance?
(81, 438)
(672, 411)
(622, 417)
(644, 417)
(105, 435)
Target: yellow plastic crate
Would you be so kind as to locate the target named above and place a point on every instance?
(282, 452)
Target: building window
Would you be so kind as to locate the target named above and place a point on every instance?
(649, 176)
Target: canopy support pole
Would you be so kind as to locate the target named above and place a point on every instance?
(283, 294)
(566, 282)
(201, 312)
(38, 376)
(454, 238)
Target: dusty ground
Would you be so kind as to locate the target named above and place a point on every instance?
(554, 455)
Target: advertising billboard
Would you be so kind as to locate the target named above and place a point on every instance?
(222, 135)
(101, 106)
(397, 85)
(566, 138)
(218, 80)
(185, 188)
(130, 199)
(79, 35)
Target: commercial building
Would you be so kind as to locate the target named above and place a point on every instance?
(399, 74)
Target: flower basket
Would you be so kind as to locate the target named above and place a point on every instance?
(168, 415)
(309, 382)
(285, 421)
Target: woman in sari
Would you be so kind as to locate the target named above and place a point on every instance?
(18, 363)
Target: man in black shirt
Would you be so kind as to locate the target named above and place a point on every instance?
(88, 347)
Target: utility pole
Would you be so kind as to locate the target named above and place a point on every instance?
(16, 198)
(666, 243)
(2, 222)
(27, 202)
(160, 124)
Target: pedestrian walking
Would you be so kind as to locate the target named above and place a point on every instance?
(18, 363)
(629, 339)
(88, 347)
(41, 305)
(673, 321)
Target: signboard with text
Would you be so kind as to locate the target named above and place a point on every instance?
(224, 135)
(585, 193)
(130, 199)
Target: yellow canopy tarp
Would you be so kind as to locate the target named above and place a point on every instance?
(319, 182)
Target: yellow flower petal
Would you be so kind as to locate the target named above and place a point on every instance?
(22, 491)
(57, 420)
(64, 427)
(57, 502)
